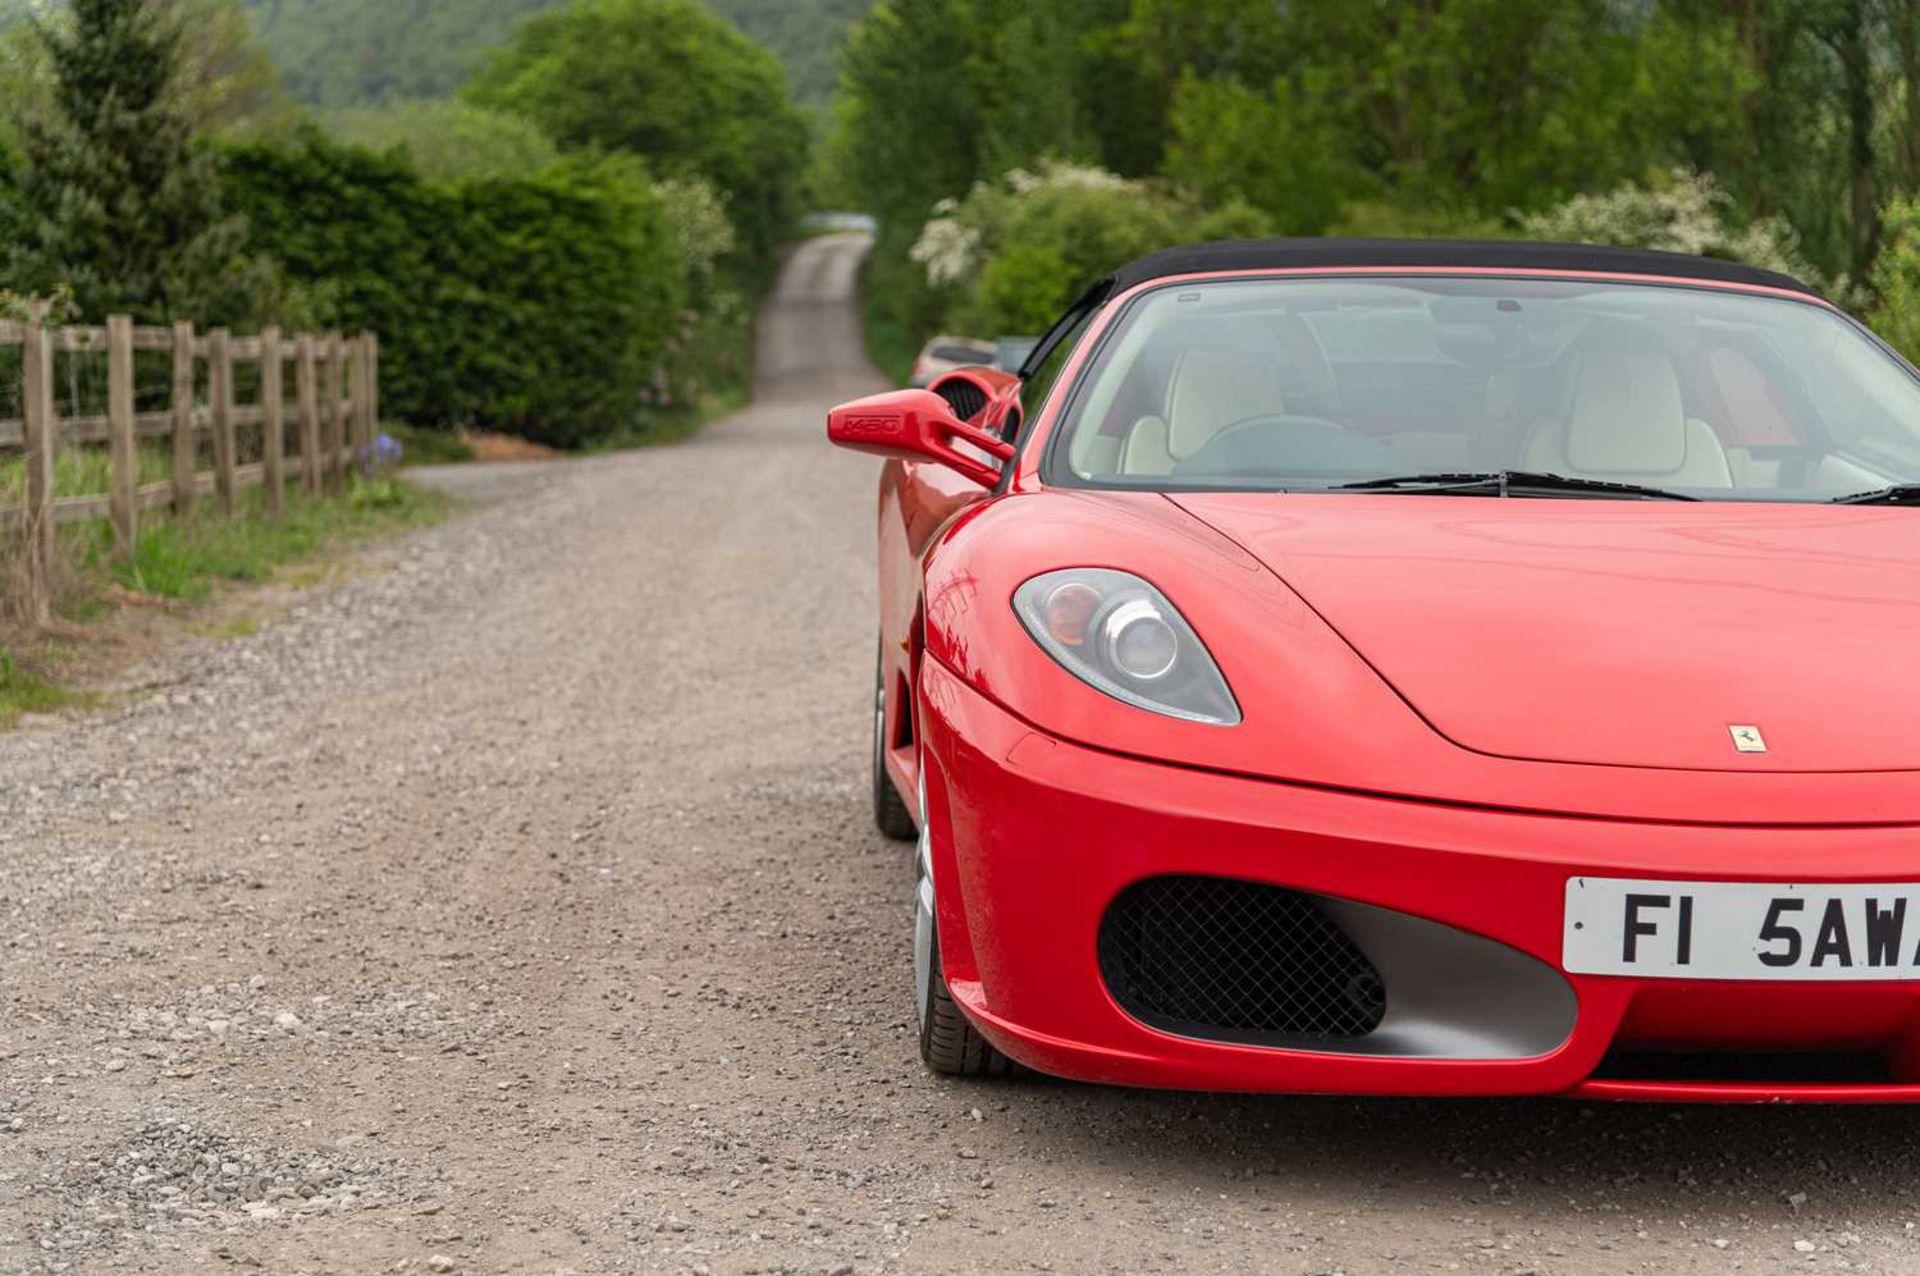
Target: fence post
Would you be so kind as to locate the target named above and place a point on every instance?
(372, 404)
(306, 387)
(220, 398)
(330, 370)
(41, 431)
(120, 435)
(273, 421)
(358, 435)
(186, 434)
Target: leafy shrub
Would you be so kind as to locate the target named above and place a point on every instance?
(570, 280)
(1685, 213)
(1013, 255)
(1895, 313)
(1378, 219)
(540, 305)
(448, 139)
(713, 345)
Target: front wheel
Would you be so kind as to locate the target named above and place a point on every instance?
(949, 1043)
(890, 812)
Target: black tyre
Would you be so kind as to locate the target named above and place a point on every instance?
(949, 1043)
(890, 814)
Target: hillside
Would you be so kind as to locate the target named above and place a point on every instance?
(349, 52)
(807, 34)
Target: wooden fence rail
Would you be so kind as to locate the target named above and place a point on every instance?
(331, 423)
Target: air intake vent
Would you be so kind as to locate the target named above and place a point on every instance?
(1229, 960)
(962, 396)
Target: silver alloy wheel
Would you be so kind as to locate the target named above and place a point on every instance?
(923, 972)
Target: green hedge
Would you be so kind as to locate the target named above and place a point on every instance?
(542, 305)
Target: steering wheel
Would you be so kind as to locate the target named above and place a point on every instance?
(1281, 443)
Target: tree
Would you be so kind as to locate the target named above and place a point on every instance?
(229, 79)
(112, 200)
(807, 34)
(347, 53)
(1478, 106)
(1157, 45)
(906, 136)
(1831, 84)
(668, 81)
(936, 95)
(1844, 27)
(1282, 149)
(351, 53)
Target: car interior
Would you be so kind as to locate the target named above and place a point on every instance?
(1723, 396)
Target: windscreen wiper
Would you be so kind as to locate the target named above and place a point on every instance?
(1898, 494)
(1509, 483)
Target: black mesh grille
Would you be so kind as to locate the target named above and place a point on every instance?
(962, 395)
(1230, 960)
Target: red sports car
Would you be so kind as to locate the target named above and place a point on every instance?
(1413, 667)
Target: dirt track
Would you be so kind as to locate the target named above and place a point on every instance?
(514, 907)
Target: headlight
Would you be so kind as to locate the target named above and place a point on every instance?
(1119, 635)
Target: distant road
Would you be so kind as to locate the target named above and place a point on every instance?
(514, 907)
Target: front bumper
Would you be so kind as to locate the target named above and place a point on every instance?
(1033, 837)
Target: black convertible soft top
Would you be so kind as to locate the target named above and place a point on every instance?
(1482, 254)
(1336, 254)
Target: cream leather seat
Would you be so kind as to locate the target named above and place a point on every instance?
(1211, 387)
(1625, 422)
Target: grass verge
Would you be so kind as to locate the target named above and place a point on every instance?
(22, 691)
(187, 559)
(83, 471)
(177, 578)
(890, 347)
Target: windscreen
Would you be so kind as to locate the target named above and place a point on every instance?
(1306, 384)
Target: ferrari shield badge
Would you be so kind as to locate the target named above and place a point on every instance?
(1747, 739)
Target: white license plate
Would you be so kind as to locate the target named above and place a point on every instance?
(1741, 930)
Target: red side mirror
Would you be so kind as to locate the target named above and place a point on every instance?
(916, 425)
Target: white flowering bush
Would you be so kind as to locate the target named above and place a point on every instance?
(709, 343)
(1060, 175)
(701, 228)
(948, 249)
(1686, 213)
(1017, 250)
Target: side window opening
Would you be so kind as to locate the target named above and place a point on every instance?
(1033, 396)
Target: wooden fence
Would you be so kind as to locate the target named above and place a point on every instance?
(333, 415)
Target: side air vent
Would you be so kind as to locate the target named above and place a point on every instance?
(1229, 960)
(962, 396)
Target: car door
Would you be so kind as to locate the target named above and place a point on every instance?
(917, 500)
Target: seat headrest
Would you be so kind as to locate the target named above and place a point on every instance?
(1626, 416)
(1215, 386)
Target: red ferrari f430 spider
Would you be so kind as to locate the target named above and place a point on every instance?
(1412, 667)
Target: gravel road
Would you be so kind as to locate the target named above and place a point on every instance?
(513, 907)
